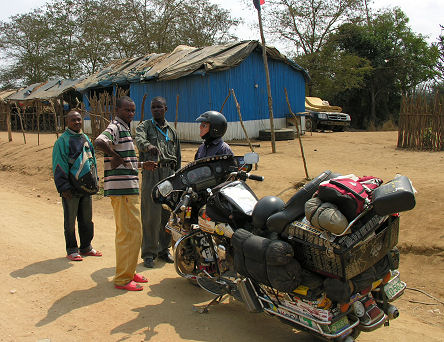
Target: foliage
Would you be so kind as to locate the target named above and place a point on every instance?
(26, 42)
(400, 60)
(334, 71)
(68, 38)
(307, 24)
(439, 78)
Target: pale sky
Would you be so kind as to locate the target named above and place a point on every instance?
(425, 15)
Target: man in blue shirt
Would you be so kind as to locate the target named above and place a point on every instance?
(213, 126)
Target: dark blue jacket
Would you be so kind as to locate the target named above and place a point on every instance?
(216, 147)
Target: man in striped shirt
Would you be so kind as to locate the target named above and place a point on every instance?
(121, 184)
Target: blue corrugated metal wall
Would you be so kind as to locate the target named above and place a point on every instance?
(198, 94)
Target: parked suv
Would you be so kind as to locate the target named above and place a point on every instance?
(320, 115)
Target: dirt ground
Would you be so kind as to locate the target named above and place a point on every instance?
(48, 298)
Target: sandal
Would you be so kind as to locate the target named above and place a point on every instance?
(92, 252)
(74, 257)
(131, 286)
(138, 278)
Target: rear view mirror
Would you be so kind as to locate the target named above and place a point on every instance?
(251, 158)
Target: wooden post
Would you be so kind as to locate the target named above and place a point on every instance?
(267, 75)
(55, 117)
(226, 99)
(8, 121)
(38, 111)
(177, 111)
(240, 118)
(143, 108)
(299, 136)
(21, 121)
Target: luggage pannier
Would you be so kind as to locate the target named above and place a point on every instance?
(344, 256)
(269, 262)
(394, 196)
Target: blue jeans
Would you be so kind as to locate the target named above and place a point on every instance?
(80, 208)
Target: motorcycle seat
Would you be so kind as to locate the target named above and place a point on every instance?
(295, 207)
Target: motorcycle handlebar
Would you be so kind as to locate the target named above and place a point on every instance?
(185, 202)
(255, 177)
(243, 175)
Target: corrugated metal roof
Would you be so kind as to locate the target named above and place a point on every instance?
(45, 90)
(182, 61)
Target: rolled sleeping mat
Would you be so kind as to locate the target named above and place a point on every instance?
(325, 215)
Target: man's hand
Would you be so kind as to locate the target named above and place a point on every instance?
(152, 150)
(117, 160)
(149, 165)
(67, 194)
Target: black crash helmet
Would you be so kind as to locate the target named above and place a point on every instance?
(264, 208)
(218, 123)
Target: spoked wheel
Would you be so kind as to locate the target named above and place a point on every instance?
(183, 261)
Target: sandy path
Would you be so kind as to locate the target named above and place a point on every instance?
(47, 297)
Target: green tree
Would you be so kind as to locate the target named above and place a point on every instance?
(399, 58)
(67, 38)
(306, 26)
(62, 20)
(439, 78)
(25, 44)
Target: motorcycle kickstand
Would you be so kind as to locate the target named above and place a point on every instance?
(204, 309)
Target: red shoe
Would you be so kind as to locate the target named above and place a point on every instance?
(74, 257)
(138, 278)
(131, 286)
(92, 252)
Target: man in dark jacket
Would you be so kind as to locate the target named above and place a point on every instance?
(156, 141)
(75, 175)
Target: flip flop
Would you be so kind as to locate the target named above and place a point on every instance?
(74, 257)
(138, 278)
(131, 286)
(92, 252)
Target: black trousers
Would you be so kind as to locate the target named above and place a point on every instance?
(80, 208)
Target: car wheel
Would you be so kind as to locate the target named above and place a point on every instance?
(279, 134)
(310, 126)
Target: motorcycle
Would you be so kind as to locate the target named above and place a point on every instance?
(264, 253)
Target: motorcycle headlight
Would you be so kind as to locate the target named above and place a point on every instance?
(165, 188)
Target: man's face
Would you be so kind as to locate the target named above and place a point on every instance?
(204, 128)
(75, 121)
(158, 110)
(127, 111)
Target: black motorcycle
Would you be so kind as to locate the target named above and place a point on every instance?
(264, 253)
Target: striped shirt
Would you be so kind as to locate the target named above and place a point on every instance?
(124, 179)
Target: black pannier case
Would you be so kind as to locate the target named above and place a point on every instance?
(394, 196)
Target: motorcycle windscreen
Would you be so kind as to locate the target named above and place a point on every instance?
(240, 195)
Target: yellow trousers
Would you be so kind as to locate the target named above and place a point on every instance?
(128, 236)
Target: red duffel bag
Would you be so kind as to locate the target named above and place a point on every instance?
(349, 193)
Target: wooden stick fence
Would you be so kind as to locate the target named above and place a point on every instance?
(421, 122)
(102, 110)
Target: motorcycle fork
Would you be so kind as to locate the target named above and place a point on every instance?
(209, 238)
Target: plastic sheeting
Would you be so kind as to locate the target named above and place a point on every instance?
(45, 90)
(182, 61)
